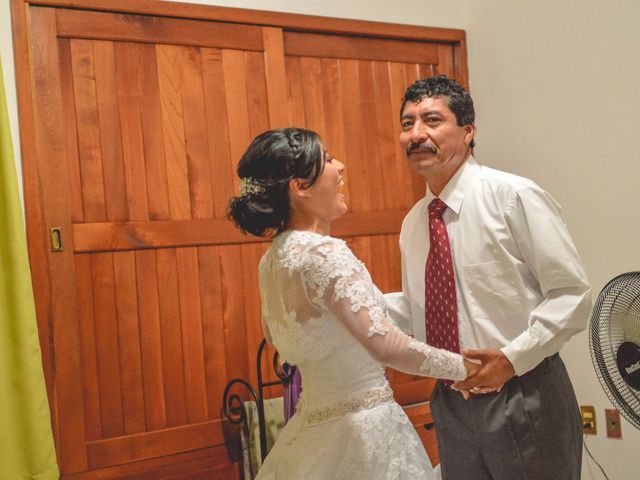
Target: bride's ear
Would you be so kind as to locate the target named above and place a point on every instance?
(298, 188)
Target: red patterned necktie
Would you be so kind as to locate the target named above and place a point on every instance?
(440, 308)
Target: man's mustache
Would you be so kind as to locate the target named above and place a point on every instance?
(421, 147)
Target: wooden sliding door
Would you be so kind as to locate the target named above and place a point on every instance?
(349, 89)
(133, 117)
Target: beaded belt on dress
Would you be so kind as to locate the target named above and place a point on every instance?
(369, 399)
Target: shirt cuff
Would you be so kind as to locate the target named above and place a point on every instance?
(521, 353)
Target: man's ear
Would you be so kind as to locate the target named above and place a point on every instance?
(298, 188)
(470, 133)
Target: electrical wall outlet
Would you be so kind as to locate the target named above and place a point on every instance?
(588, 419)
(614, 429)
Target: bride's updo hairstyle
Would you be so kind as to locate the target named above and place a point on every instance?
(272, 160)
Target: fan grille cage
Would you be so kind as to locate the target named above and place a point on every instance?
(614, 320)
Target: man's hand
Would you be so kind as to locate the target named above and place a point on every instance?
(495, 370)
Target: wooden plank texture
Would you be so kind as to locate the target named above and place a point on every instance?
(142, 446)
(275, 76)
(157, 467)
(241, 15)
(84, 284)
(196, 133)
(150, 339)
(156, 30)
(49, 124)
(96, 237)
(372, 161)
(172, 345)
(128, 63)
(217, 130)
(129, 341)
(110, 134)
(89, 151)
(107, 348)
(192, 340)
(170, 84)
(355, 157)
(336, 46)
(211, 304)
(153, 137)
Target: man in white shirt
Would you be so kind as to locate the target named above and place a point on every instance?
(520, 293)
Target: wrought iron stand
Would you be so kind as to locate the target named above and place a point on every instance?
(233, 404)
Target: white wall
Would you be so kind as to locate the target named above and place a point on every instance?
(554, 86)
(556, 90)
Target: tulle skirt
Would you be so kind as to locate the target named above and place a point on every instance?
(378, 443)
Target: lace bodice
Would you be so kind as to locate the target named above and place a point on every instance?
(323, 313)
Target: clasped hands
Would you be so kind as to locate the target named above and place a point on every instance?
(488, 370)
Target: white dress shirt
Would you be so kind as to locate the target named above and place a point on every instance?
(520, 284)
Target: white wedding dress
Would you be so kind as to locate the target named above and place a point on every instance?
(324, 314)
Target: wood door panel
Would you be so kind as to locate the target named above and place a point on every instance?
(134, 130)
(215, 458)
(110, 140)
(341, 47)
(256, 93)
(251, 254)
(156, 30)
(212, 306)
(126, 300)
(195, 133)
(192, 342)
(150, 339)
(129, 91)
(119, 121)
(222, 175)
(142, 446)
(107, 343)
(274, 76)
(233, 313)
(152, 128)
(170, 91)
(352, 97)
(146, 334)
(86, 114)
(98, 237)
(350, 103)
(71, 134)
(88, 354)
(237, 106)
(171, 334)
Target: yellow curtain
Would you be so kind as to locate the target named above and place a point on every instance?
(26, 441)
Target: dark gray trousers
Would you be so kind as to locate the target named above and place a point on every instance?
(530, 430)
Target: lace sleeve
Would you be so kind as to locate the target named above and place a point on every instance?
(335, 280)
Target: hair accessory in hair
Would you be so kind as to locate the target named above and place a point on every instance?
(249, 186)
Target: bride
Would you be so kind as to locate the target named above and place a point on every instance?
(323, 313)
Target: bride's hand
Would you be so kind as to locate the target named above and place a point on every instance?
(472, 367)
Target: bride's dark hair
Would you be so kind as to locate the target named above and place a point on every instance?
(272, 160)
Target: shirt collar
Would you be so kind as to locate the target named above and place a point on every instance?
(455, 190)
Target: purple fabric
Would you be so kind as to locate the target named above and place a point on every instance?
(291, 393)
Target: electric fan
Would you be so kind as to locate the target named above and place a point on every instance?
(614, 341)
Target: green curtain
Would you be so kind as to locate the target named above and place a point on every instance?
(26, 441)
